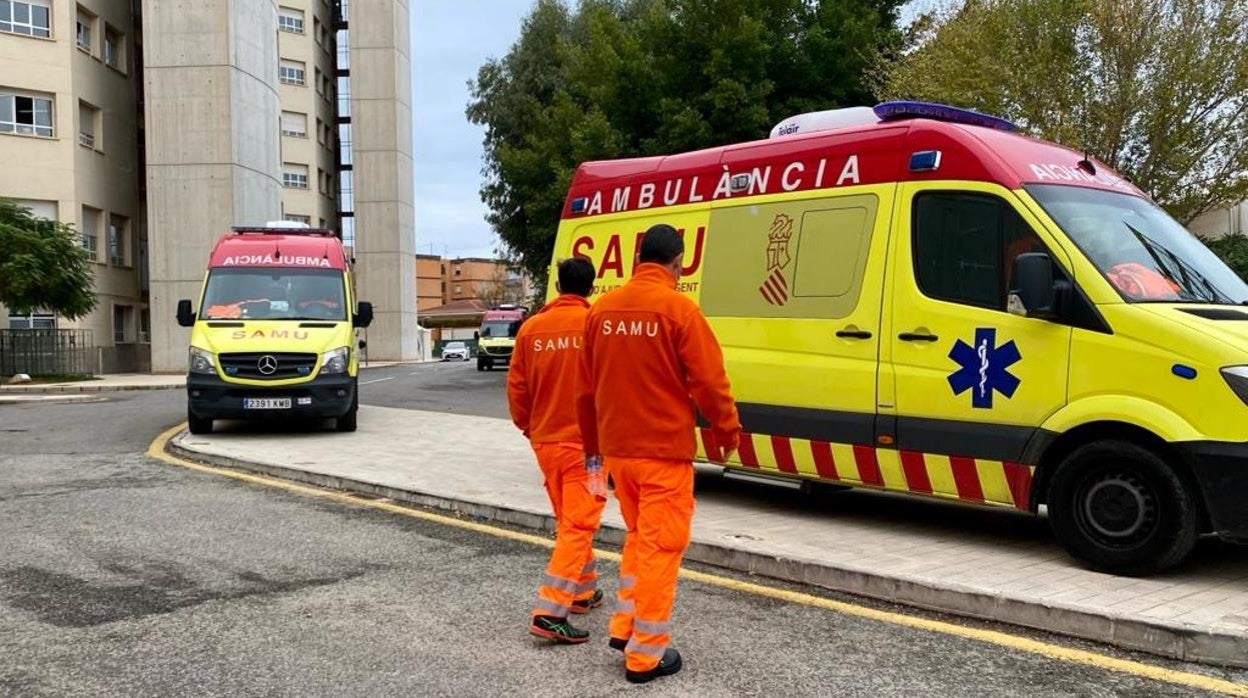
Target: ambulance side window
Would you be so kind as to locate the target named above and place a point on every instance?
(965, 245)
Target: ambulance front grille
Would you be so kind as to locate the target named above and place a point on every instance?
(267, 366)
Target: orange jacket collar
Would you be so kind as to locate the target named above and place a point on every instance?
(653, 273)
(564, 300)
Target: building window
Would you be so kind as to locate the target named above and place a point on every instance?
(344, 145)
(118, 241)
(145, 326)
(290, 20)
(346, 190)
(292, 72)
(91, 231)
(38, 320)
(26, 115)
(344, 96)
(344, 50)
(86, 29)
(294, 124)
(26, 18)
(294, 176)
(88, 125)
(296, 218)
(114, 49)
(326, 182)
(122, 315)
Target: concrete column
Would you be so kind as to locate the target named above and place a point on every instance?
(213, 147)
(381, 118)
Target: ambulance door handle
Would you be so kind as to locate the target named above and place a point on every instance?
(917, 337)
(852, 332)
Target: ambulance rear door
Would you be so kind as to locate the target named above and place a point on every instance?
(793, 287)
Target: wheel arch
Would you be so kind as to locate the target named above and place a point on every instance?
(1061, 445)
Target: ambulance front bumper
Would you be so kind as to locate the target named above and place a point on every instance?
(1221, 470)
(210, 397)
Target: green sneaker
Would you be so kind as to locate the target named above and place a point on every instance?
(557, 630)
(585, 605)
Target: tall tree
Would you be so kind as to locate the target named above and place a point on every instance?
(42, 265)
(626, 78)
(1157, 89)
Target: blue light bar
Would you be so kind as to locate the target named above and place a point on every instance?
(580, 204)
(892, 111)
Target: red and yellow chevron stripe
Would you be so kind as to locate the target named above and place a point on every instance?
(972, 480)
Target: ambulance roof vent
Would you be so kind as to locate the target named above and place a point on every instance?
(286, 224)
(825, 121)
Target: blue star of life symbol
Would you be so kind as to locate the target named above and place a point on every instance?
(984, 368)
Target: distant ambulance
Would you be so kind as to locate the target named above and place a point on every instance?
(496, 339)
(914, 298)
(275, 330)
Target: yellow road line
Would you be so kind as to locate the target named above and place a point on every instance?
(157, 450)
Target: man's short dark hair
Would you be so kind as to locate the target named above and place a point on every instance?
(661, 244)
(576, 276)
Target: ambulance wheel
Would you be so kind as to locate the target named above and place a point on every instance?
(1119, 508)
(350, 420)
(197, 425)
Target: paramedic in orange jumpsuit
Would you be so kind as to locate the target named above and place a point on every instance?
(542, 393)
(650, 357)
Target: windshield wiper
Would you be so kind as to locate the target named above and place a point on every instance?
(1192, 279)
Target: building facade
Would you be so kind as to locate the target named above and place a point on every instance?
(153, 127)
(441, 281)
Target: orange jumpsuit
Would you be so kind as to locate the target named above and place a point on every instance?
(542, 393)
(650, 357)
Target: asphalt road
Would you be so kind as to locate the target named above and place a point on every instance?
(121, 575)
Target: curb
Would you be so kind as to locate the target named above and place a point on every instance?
(105, 388)
(1163, 639)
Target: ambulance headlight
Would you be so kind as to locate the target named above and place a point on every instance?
(1237, 378)
(202, 361)
(335, 361)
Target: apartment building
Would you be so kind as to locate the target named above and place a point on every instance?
(152, 127)
(441, 281)
(69, 146)
(307, 77)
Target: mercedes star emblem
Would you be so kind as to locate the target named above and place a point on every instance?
(267, 365)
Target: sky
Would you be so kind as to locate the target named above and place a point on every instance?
(450, 42)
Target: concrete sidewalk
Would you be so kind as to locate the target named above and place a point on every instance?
(104, 383)
(990, 564)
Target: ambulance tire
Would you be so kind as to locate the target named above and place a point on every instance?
(1119, 508)
(349, 421)
(197, 425)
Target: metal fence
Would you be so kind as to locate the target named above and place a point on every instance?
(42, 352)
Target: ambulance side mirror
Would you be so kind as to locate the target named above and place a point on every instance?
(1035, 289)
(476, 335)
(186, 314)
(363, 315)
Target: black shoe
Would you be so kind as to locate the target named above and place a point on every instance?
(618, 643)
(670, 664)
(558, 630)
(585, 605)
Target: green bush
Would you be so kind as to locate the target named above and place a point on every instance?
(1233, 249)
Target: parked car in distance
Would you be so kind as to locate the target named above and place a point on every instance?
(457, 351)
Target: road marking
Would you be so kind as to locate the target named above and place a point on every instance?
(378, 380)
(157, 450)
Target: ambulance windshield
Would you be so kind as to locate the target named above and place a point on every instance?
(495, 329)
(1147, 255)
(274, 294)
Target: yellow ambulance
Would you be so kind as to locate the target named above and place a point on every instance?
(274, 334)
(916, 298)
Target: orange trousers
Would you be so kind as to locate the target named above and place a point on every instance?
(570, 574)
(656, 501)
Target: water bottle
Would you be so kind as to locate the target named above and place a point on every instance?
(597, 479)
